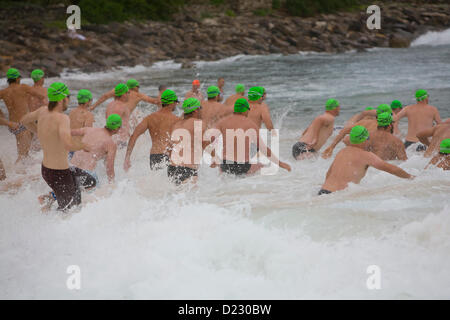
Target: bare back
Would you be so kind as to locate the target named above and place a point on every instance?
(420, 117)
(350, 165)
(196, 152)
(212, 111)
(387, 146)
(80, 118)
(232, 99)
(49, 126)
(319, 131)
(16, 98)
(35, 103)
(97, 140)
(159, 125)
(245, 133)
(194, 94)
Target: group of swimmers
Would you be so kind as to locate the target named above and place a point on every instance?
(72, 146)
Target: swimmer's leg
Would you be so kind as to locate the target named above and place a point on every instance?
(47, 201)
(255, 168)
(23, 143)
(2, 171)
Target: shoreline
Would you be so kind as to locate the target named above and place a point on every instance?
(187, 41)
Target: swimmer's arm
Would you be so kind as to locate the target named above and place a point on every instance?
(329, 151)
(103, 98)
(266, 118)
(400, 115)
(4, 122)
(66, 137)
(140, 129)
(111, 150)
(365, 113)
(146, 98)
(379, 164)
(424, 134)
(29, 120)
(401, 152)
(437, 117)
(33, 92)
(270, 155)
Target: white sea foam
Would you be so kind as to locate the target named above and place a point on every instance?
(433, 38)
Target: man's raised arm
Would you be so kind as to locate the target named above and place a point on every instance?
(379, 164)
(140, 129)
(328, 152)
(103, 98)
(111, 150)
(146, 98)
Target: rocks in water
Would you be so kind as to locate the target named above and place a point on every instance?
(188, 37)
(400, 39)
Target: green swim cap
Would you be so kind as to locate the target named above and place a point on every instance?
(84, 96)
(396, 104)
(384, 119)
(241, 105)
(421, 94)
(120, 89)
(445, 146)
(57, 92)
(132, 83)
(12, 73)
(213, 91)
(370, 108)
(255, 93)
(331, 104)
(240, 88)
(168, 97)
(114, 122)
(37, 75)
(358, 135)
(190, 105)
(383, 108)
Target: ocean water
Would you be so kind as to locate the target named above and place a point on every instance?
(262, 237)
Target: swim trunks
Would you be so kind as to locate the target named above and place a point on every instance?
(85, 178)
(122, 144)
(300, 147)
(236, 168)
(64, 186)
(19, 130)
(158, 161)
(179, 174)
(323, 191)
(419, 148)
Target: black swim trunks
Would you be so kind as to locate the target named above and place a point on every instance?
(179, 174)
(419, 148)
(323, 191)
(64, 185)
(158, 161)
(300, 147)
(84, 178)
(236, 168)
(19, 130)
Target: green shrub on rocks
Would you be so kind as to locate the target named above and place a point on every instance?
(307, 8)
